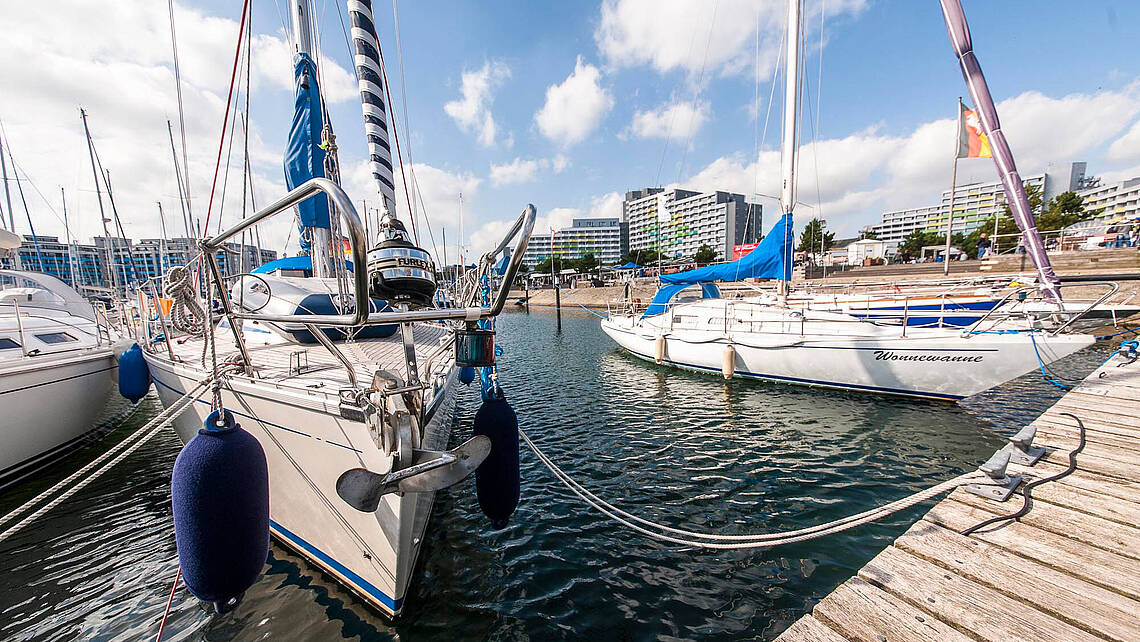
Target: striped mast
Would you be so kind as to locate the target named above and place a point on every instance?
(370, 79)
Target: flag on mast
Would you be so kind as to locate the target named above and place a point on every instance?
(973, 142)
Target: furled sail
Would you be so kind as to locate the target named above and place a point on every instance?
(772, 259)
(304, 156)
(959, 32)
(370, 78)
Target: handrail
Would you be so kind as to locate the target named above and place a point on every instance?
(1112, 288)
(343, 206)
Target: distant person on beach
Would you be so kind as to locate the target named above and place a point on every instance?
(983, 246)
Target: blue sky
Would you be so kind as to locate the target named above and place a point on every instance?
(587, 101)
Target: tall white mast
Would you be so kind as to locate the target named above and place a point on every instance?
(301, 12)
(791, 108)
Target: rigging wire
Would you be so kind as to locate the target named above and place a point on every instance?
(226, 118)
(697, 94)
(181, 111)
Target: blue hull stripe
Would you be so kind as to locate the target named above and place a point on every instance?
(323, 558)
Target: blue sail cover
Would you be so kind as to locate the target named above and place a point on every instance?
(662, 298)
(304, 157)
(772, 259)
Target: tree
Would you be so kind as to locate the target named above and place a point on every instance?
(584, 264)
(543, 266)
(869, 236)
(911, 245)
(1033, 193)
(811, 236)
(1064, 210)
(704, 255)
(641, 257)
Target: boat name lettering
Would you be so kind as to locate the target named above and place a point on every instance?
(887, 355)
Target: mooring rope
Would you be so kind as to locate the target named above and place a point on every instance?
(185, 315)
(735, 542)
(153, 426)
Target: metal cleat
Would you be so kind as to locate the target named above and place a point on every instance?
(1000, 485)
(1021, 448)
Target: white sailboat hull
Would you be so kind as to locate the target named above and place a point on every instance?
(827, 352)
(308, 445)
(49, 403)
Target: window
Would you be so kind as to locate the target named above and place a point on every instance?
(55, 337)
(7, 344)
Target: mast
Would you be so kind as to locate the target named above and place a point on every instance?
(182, 200)
(791, 114)
(959, 32)
(67, 231)
(369, 74)
(162, 261)
(99, 196)
(319, 237)
(8, 198)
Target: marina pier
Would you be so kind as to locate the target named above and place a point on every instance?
(1066, 570)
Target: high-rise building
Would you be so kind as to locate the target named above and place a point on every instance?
(1112, 201)
(601, 237)
(84, 267)
(678, 222)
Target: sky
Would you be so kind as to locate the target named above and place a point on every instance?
(563, 105)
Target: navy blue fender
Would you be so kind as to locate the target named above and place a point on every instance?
(466, 375)
(219, 491)
(497, 478)
(134, 374)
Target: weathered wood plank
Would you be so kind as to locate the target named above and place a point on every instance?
(985, 613)
(1093, 407)
(1095, 565)
(1111, 486)
(865, 612)
(1092, 418)
(809, 629)
(1097, 531)
(1066, 437)
(1067, 598)
(1093, 460)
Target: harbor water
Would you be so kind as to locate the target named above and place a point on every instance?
(687, 450)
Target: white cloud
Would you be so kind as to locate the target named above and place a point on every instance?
(574, 108)
(516, 171)
(115, 60)
(472, 112)
(1127, 147)
(524, 170)
(868, 172)
(677, 121)
(672, 35)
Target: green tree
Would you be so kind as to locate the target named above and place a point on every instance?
(543, 266)
(1033, 193)
(812, 235)
(868, 236)
(1005, 226)
(641, 257)
(1064, 210)
(585, 264)
(704, 255)
(911, 245)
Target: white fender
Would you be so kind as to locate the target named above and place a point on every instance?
(659, 348)
(728, 364)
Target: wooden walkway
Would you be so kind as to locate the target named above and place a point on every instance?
(1068, 570)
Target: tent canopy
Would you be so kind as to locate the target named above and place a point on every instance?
(629, 266)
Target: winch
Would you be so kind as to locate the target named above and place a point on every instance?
(398, 271)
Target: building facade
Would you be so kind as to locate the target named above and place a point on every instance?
(84, 267)
(1113, 201)
(977, 203)
(678, 222)
(601, 237)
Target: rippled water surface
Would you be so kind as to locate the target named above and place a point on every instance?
(685, 449)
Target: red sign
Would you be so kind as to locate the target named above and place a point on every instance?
(739, 251)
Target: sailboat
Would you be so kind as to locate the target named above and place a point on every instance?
(353, 398)
(777, 342)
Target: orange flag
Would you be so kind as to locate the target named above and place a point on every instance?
(973, 142)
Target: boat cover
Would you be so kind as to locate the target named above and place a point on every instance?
(772, 259)
(661, 299)
(304, 156)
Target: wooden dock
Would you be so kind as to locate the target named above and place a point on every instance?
(1067, 570)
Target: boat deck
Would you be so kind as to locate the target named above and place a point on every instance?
(1067, 570)
(278, 362)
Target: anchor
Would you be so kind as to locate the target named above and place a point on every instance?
(430, 470)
